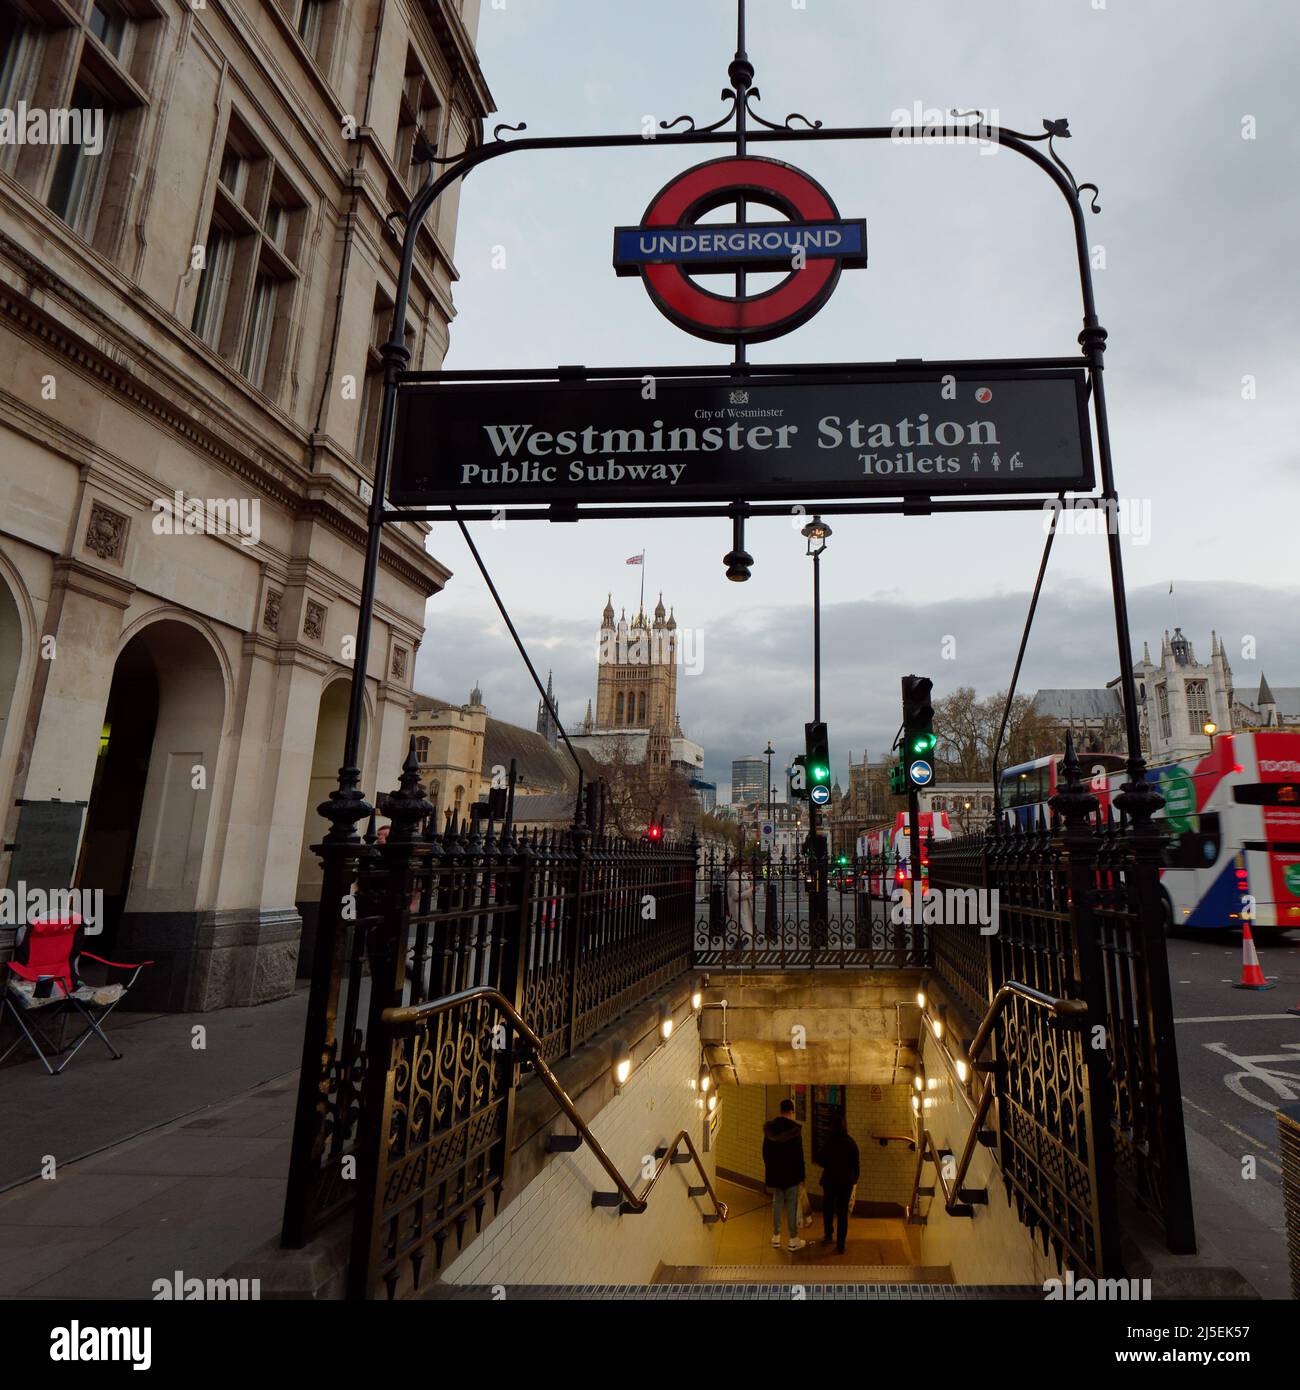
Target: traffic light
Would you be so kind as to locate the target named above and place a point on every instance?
(918, 718)
(818, 757)
(799, 778)
(654, 832)
(898, 778)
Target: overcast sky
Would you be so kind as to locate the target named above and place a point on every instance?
(971, 256)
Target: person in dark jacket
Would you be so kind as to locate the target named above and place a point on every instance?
(783, 1171)
(840, 1173)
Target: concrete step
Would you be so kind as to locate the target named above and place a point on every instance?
(736, 1290)
(803, 1273)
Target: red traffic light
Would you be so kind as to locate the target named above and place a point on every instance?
(654, 831)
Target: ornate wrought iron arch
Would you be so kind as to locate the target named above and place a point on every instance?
(347, 805)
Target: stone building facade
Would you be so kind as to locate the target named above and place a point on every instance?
(463, 751)
(189, 390)
(1177, 696)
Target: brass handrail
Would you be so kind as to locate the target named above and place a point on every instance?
(407, 1016)
(1067, 1010)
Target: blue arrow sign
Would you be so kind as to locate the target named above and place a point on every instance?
(820, 795)
(921, 773)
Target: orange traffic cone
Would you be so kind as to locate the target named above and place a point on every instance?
(1252, 977)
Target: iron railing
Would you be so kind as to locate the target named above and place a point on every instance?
(437, 1138)
(572, 929)
(761, 912)
(1078, 1113)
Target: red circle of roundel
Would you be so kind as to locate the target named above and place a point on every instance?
(755, 317)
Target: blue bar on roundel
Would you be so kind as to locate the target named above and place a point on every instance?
(717, 244)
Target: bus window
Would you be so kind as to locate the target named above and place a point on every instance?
(1268, 794)
(1026, 788)
(1200, 848)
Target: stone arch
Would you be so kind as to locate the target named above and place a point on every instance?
(326, 758)
(18, 655)
(148, 820)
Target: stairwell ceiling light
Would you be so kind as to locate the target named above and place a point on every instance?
(920, 999)
(665, 1020)
(936, 1027)
(918, 1082)
(697, 996)
(963, 1071)
(705, 1081)
(916, 1105)
(713, 1101)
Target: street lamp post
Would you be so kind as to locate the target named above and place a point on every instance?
(1209, 729)
(816, 534)
(769, 893)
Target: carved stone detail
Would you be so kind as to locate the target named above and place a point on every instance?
(313, 623)
(271, 613)
(106, 532)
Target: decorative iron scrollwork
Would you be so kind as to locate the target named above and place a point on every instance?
(497, 129)
(753, 94)
(1059, 129)
(692, 128)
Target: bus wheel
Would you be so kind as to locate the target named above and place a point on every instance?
(1167, 914)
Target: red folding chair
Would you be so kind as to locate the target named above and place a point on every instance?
(45, 982)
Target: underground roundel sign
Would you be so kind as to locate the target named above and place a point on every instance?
(672, 247)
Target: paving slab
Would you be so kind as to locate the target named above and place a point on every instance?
(162, 1076)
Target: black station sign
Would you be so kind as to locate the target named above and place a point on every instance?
(720, 439)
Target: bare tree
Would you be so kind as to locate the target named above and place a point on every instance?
(967, 729)
(639, 794)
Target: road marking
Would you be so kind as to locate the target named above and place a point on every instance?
(1240, 1133)
(1232, 1018)
(1283, 1084)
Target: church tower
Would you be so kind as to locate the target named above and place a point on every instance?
(636, 677)
(548, 711)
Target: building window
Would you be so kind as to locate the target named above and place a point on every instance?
(243, 304)
(1198, 705)
(422, 750)
(85, 64)
(311, 16)
(641, 719)
(1162, 709)
(214, 285)
(257, 336)
(108, 24)
(419, 112)
(618, 708)
(78, 173)
(21, 45)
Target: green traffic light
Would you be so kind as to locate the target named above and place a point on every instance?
(819, 773)
(923, 743)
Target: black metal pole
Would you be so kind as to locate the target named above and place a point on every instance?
(818, 903)
(741, 74)
(347, 804)
(1020, 655)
